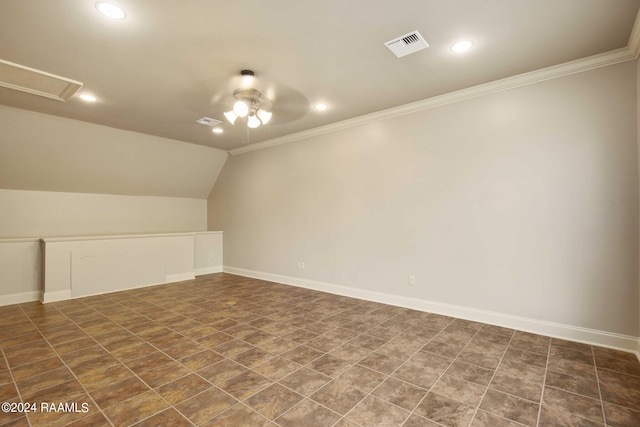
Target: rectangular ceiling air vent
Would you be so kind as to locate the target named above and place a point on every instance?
(208, 121)
(36, 82)
(409, 43)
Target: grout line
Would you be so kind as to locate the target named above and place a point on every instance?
(492, 377)
(544, 383)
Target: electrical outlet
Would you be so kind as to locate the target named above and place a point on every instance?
(300, 265)
(412, 280)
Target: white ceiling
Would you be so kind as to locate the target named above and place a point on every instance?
(172, 62)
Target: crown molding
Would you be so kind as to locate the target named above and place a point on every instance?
(634, 38)
(573, 67)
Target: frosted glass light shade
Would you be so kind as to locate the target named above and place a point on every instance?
(241, 108)
(264, 116)
(253, 122)
(231, 116)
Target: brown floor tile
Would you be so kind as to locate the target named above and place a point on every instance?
(463, 391)
(165, 333)
(573, 403)
(444, 411)
(105, 377)
(472, 373)
(511, 407)
(381, 363)
(309, 414)
(575, 385)
(71, 346)
(30, 385)
(219, 372)
(329, 365)
(237, 415)
(53, 417)
(485, 355)
(274, 400)
(528, 357)
(56, 393)
(572, 368)
(350, 352)
(75, 358)
(305, 381)
(621, 417)
(28, 353)
(183, 388)
(148, 362)
(5, 376)
(423, 369)
(302, 354)
(338, 397)
(621, 396)
(531, 342)
(571, 355)
(136, 408)
(206, 405)
(244, 385)
(88, 367)
(376, 412)
(485, 419)
(399, 393)
(519, 379)
(164, 374)
(168, 417)
(8, 392)
(368, 341)
(253, 357)
(552, 418)
(118, 392)
(400, 348)
(35, 368)
(571, 345)
(625, 366)
(362, 378)
(418, 421)
(95, 420)
(447, 349)
(183, 350)
(200, 360)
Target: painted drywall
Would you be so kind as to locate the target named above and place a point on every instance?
(49, 153)
(48, 214)
(522, 202)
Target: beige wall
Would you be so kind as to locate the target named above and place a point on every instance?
(523, 202)
(48, 153)
(49, 214)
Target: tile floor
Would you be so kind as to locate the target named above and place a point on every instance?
(224, 350)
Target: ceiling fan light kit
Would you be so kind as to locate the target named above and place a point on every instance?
(249, 103)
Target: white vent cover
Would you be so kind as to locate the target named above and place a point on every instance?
(208, 121)
(409, 43)
(36, 82)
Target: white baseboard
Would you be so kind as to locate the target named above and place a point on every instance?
(19, 298)
(556, 330)
(46, 297)
(179, 277)
(208, 270)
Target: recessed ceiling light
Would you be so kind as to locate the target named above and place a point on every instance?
(217, 130)
(87, 97)
(320, 107)
(461, 46)
(110, 10)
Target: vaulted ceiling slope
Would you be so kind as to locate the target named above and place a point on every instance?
(169, 63)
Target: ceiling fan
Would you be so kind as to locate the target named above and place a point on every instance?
(249, 103)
